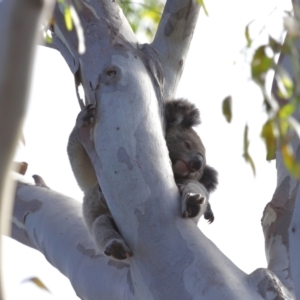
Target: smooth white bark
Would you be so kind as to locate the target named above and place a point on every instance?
(52, 223)
(173, 38)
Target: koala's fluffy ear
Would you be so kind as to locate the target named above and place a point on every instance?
(181, 112)
(209, 178)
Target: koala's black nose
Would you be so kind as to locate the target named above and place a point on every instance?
(196, 163)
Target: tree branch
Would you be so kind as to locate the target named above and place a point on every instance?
(57, 44)
(59, 33)
(294, 238)
(173, 38)
(280, 218)
(97, 20)
(53, 224)
(16, 19)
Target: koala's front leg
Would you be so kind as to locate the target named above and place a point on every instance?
(194, 199)
(102, 225)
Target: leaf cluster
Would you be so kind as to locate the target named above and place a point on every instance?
(280, 106)
(143, 16)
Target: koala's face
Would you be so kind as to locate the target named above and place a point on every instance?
(186, 151)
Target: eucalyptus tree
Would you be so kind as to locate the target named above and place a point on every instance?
(129, 83)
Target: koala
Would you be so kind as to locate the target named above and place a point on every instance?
(187, 154)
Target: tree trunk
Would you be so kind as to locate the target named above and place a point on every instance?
(281, 216)
(18, 41)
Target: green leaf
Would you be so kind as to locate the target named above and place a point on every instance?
(284, 126)
(149, 14)
(286, 110)
(246, 154)
(68, 18)
(247, 36)
(201, 2)
(268, 134)
(260, 63)
(285, 85)
(144, 16)
(67, 14)
(227, 108)
(290, 161)
(37, 282)
(48, 39)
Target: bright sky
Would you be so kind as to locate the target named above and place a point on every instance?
(210, 75)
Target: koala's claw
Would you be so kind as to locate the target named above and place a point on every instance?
(191, 205)
(209, 216)
(86, 116)
(117, 249)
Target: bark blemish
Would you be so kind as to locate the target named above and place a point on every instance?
(280, 250)
(278, 205)
(269, 216)
(268, 285)
(117, 264)
(182, 13)
(282, 192)
(181, 63)
(91, 9)
(130, 283)
(88, 252)
(123, 157)
(298, 151)
(24, 208)
(111, 75)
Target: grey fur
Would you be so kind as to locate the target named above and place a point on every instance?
(187, 151)
(194, 186)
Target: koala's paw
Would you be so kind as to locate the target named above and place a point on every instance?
(209, 215)
(194, 199)
(117, 249)
(191, 204)
(210, 218)
(86, 117)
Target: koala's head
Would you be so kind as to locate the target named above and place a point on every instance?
(186, 149)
